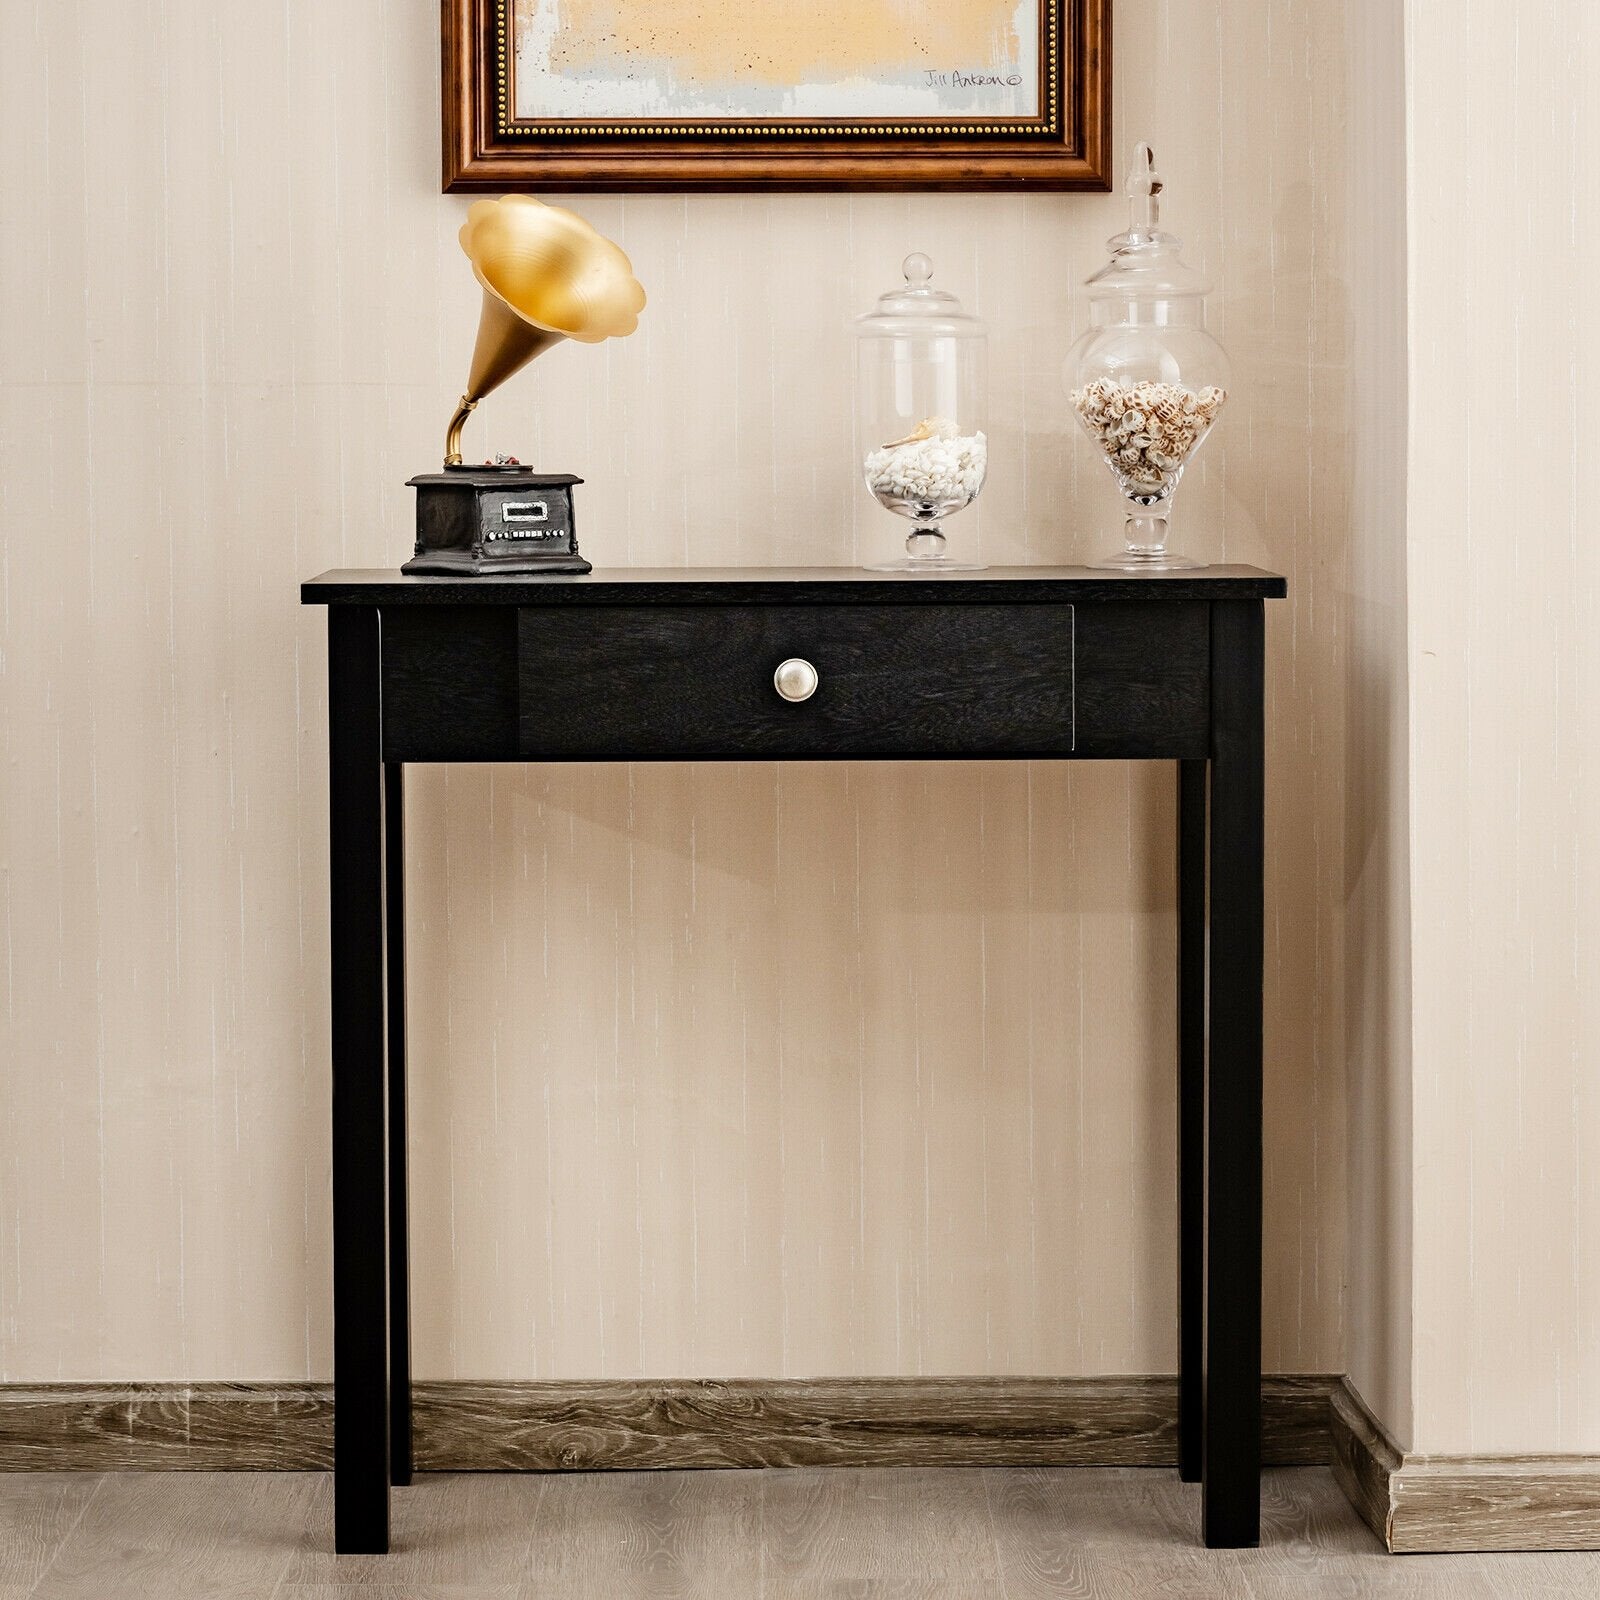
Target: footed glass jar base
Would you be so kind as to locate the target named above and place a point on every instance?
(1146, 549)
(1138, 561)
(931, 564)
(925, 553)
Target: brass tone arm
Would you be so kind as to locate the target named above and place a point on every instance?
(452, 440)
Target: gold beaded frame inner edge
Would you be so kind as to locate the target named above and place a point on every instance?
(986, 130)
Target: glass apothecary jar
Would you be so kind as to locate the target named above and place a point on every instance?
(1147, 380)
(920, 377)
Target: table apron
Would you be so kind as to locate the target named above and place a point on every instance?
(1083, 681)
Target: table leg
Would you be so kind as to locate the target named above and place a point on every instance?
(1191, 1109)
(394, 850)
(360, 1179)
(1231, 1436)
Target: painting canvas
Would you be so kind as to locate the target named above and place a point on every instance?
(810, 59)
(809, 94)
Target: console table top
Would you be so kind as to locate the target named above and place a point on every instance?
(636, 586)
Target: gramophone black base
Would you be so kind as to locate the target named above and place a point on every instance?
(475, 521)
(464, 564)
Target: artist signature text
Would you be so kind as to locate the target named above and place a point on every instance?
(972, 80)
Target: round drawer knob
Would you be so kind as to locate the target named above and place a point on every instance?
(795, 680)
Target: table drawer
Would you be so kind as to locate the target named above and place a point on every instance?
(697, 681)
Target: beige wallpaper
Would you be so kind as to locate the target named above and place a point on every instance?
(742, 1070)
(1377, 866)
(1504, 590)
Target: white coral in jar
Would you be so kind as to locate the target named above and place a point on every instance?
(934, 466)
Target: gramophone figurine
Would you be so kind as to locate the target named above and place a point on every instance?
(546, 276)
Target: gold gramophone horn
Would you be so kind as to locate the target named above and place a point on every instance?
(546, 276)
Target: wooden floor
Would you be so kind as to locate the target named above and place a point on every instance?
(962, 1534)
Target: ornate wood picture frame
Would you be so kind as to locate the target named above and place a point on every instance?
(637, 95)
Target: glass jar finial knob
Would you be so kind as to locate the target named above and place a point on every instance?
(1144, 192)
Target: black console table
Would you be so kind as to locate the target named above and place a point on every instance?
(706, 664)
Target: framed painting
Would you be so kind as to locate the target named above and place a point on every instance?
(751, 94)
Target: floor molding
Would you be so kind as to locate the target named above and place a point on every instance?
(1422, 1504)
(1413, 1503)
(202, 1427)
(1365, 1458)
(623, 1425)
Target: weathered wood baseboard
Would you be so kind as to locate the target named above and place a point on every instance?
(1421, 1504)
(1413, 1503)
(1365, 1458)
(206, 1427)
(887, 1422)
(625, 1425)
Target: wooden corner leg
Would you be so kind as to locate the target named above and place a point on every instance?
(1231, 1429)
(360, 1100)
(394, 847)
(1191, 1109)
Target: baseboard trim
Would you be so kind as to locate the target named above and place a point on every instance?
(623, 1425)
(1414, 1504)
(202, 1427)
(1421, 1504)
(1365, 1458)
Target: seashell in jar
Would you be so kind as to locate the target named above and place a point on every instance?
(928, 428)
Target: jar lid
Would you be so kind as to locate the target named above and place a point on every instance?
(918, 309)
(1144, 262)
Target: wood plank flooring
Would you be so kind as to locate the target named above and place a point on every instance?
(807, 1534)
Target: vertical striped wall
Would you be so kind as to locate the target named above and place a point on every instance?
(1504, 586)
(798, 1070)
